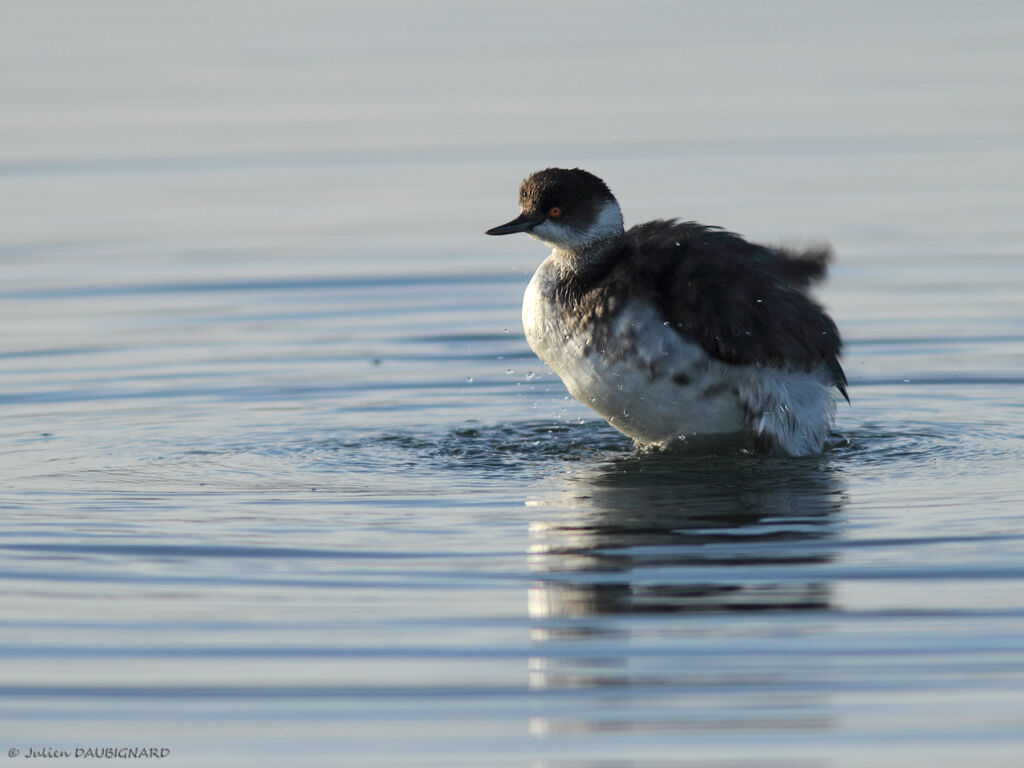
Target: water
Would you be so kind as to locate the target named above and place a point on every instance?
(282, 483)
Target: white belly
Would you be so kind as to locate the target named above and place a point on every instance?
(643, 377)
(660, 388)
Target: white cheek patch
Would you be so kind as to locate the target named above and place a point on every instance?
(559, 235)
(607, 225)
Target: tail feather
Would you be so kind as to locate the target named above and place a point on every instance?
(802, 268)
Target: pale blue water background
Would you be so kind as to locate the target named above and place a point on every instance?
(283, 485)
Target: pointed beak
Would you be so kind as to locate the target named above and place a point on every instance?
(524, 222)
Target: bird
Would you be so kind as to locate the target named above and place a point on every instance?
(677, 333)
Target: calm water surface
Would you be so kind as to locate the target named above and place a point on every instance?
(282, 483)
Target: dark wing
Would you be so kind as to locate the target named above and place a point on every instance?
(798, 268)
(743, 303)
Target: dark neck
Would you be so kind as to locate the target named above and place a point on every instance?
(578, 271)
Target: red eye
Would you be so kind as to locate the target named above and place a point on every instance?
(555, 212)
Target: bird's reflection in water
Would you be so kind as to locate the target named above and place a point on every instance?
(669, 572)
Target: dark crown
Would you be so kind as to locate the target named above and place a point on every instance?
(570, 189)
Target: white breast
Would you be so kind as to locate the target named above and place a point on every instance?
(645, 379)
(660, 388)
